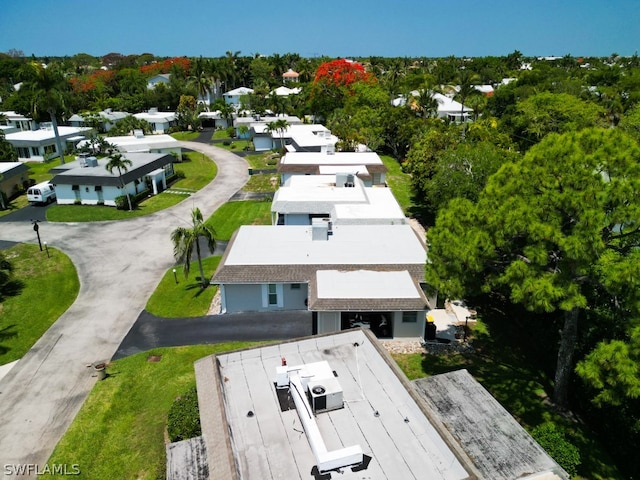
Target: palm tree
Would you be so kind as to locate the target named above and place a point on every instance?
(279, 126)
(244, 132)
(118, 162)
(201, 79)
(46, 85)
(185, 239)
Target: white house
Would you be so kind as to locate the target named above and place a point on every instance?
(368, 166)
(154, 81)
(88, 182)
(38, 145)
(160, 121)
(14, 177)
(141, 143)
(283, 91)
(341, 198)
(15, 122)
(108, 119)
(448, 108)
(347, 275)
(290, 76)
(296, 137)
(232, 97)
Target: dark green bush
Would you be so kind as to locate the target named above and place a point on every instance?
(552, 439)
(183, 420)
(226, 142)
(231, 131)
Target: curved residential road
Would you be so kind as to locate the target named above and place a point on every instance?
(119, 265)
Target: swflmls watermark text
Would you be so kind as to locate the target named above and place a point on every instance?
(23, 469)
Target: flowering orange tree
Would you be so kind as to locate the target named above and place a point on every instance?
(333, 82)
(341, 72)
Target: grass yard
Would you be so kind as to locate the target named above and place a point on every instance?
(199, 171)
(51, 286)
(120, 430)
(184, 298)
(39, 171)
(185, 136)
(230, 216)
(264, 160)
(400, 184)
(520, 388)
(15, 204)
(97, 213)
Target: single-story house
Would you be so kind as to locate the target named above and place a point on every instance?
(108, 119)
(297, 137)
(257, 124)
(37, 145)
(215, 119)
(15, 122)
(448, 108)
(232, 97)
(160, 121)
(337, 406)
(14, 176)
(283, 91)
(346, 275)
(87, 180)
(141, 143)
(367, 166)
(342, 198)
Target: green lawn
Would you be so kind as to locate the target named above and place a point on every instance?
(400, 184)
(263, 160)
(230, 216)
(186, 136)
(51, 286)
(15, 204)
(198, 169)
(97, 213)
(119, 432)
(519, 387)
(39, 172)
(184, 298)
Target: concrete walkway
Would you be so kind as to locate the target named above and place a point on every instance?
(119, 265)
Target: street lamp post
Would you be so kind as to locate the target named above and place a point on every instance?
(175, 275)
(47, 249)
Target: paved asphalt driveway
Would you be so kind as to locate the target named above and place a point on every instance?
(119, 265)
(150, 331)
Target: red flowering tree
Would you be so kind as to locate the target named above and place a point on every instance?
(341, 73)
(333, 82)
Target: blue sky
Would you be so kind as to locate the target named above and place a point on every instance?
(336, 28)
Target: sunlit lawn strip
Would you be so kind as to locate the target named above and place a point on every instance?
(230, 216)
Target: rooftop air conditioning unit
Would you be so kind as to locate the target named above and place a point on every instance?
(326, 394)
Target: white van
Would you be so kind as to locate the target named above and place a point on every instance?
(41, 193)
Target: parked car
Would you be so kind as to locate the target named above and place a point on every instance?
(41, 193)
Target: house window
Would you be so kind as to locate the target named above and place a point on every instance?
(295, 286)
(98, 188)
(75, 187)
(35, 151)
(273, 294)
(409, 317)
(23, 152)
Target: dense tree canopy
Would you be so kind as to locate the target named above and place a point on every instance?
(543, 227)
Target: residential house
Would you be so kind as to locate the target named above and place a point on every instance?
(341, 198)
(14, 178)
(337, 406)
(11, 122)
(39, 145)
(285, 91)
(107, 118)
(154, 81)
(297, 137)
(290, 76)
(257, 125)
(233, 97)
(161, 122)
(345, 275)
(88, 182)
(142, 143)
(367, 166)
(448, 108)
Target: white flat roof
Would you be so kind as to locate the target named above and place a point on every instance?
(6, 166)
(337, 158)
(365, 284)
(380, 414)
(45, 134)
(349, 244)
(129, 142)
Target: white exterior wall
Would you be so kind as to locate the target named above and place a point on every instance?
(87, 195)
(254, 297)
(409, 330)
(329, 322)
(262, 144)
